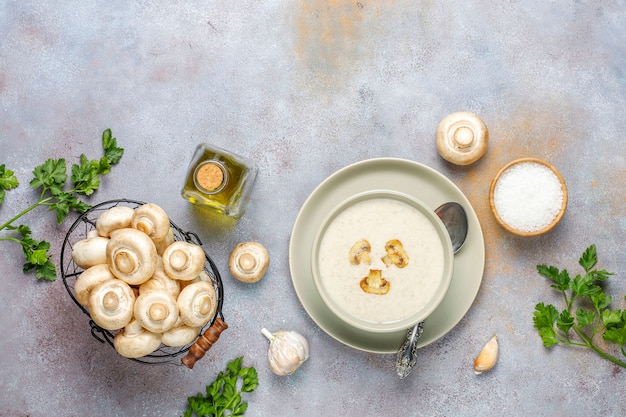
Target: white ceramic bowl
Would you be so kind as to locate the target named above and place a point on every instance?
(414, 291)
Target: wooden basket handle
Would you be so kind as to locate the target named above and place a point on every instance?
(204, 343)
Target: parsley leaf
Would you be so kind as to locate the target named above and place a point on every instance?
(85, 176)
(589, 258)
(580, 329)
(112, 152)
(8, 181)
(561, 278)
(51, 175)
(50, 179)
(223, 396)
(585, 317)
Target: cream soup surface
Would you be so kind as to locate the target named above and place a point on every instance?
(379, 220)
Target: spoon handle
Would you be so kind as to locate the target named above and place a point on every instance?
(406, 357)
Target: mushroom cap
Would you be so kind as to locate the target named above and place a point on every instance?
(248, 261)
(90, 251)
(131, 255)
(152, 220)
(183, 260)
(197, 303)
(202, 276)
(118, 217)
(134, 341)
(160, 281)
(88, 279)
(156, 311)
(462, 138)
(161, 245)
(180, 334)
(111, 304)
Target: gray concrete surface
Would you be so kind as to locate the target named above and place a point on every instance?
(305, 88)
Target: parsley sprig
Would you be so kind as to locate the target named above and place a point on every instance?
(223, 396)
(586, 314)
(50, 178)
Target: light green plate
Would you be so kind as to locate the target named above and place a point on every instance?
(394, 174)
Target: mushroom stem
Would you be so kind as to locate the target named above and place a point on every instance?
(247, 262)
(374, 283)
(268, 334)
(158, 312)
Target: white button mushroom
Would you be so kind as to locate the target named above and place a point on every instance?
(152, 220)
(197, 303)
(288, 350)
(131, 255)
(111, 304)
(183, 260)
(88, 279)
(462, 138)
(135, 341)
(118, 217)
(249, 261)
(180, 334)
(156, 311)
(90, 251)
(161, 245)
(162, 282)
(202, 276)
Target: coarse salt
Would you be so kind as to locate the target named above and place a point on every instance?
(528, 196)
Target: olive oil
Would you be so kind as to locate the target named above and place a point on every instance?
(219, 179)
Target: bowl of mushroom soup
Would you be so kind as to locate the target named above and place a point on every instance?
(382, 261)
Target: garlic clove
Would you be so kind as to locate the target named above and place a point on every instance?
(288, 351)
(487, 357)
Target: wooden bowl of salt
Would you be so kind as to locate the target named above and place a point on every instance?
(528, 197)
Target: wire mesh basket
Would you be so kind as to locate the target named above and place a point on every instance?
(70, 272)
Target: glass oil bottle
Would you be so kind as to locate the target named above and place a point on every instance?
(219, 179)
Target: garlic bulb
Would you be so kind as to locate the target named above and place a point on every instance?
(288, 350)
(487, 357)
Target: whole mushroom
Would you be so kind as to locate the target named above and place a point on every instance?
(462, 138)
(248, 261)
(131, 255)
(162, 282)
(183, 260)
(152, 220)
(161, 245)
(111, 304)
(90, 251)
(156, 311)
(202, 276)
(134, 341)
(90, 278)
(180, 334)
(117, 217)
(197, 303)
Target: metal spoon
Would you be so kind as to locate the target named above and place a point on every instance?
(454, 219)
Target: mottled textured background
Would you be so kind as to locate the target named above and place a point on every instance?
(305, 88)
